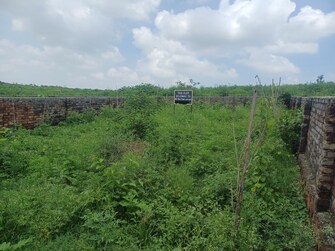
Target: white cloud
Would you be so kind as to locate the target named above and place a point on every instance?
(58, 65)
(18, 24)
(128, 9)
(309, 25)
(241, 23)
(79, 24)
(256, 34)
(292, 48)
(123, 75)
(198, 1)
(98, 75)
(114, 55)
(87, 42)
(168, 61)
(269, 63)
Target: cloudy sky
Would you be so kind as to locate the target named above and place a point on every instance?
(107, 44)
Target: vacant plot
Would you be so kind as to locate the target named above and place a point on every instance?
(146, 178)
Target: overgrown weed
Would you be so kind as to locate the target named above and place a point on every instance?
(109, 184)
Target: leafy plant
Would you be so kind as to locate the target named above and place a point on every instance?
(113, 146)
(289, 128)
(18, 246)
(80, 118)
(285, 98)
(139, 110)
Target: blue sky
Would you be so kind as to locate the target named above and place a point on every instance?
(109, 44)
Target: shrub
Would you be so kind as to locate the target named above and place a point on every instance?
(290, 127)
(112, 147)
(285, 98)
(80, 118)
(13, 162)
(141, 103)
(139, 110)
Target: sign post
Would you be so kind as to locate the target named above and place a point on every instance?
(183, 97)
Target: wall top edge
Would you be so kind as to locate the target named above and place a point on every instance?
(315, 97)
(62, 97)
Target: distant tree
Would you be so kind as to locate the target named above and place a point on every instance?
(193, 83)
(180, 84)
(320, 79)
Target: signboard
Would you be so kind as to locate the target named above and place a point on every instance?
(184, 97)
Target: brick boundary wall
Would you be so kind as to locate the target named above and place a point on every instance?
(30, 111)
(316, 156)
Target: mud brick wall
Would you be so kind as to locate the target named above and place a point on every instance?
(317, 151)
(30, 111)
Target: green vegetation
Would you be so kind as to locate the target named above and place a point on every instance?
(311, 89)
(19, 90)
(290, 127)
(144, 178)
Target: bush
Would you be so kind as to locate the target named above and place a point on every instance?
(80, 118)
(285, 98)
(142, 104)
(139, 110)
(112, 147)
(290, 127)
(13, 162)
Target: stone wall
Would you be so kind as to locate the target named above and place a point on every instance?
(30, 111)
